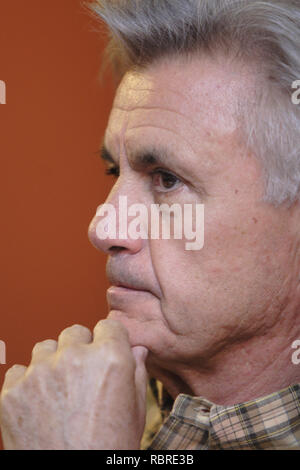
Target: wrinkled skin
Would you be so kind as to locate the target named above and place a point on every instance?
(83, 391)
(218, 322)
(233, 305)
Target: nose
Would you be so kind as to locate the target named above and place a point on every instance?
(108, 230)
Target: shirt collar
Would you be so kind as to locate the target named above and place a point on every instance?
(270, 422)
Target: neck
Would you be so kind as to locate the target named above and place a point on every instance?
(241, 372)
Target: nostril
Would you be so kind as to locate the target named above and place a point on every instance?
(116, 249)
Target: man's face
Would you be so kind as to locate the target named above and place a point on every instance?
(192, 304)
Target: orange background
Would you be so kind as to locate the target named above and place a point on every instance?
(51, 180)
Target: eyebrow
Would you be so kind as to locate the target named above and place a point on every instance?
(144, 160)
(141, 160)
(105, 154)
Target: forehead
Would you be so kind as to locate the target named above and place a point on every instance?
(194, 84)
(192, 101)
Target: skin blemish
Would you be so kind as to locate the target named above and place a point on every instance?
(254, 220)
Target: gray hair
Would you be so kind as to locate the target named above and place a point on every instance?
(266, 33)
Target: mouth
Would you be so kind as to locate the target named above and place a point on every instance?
(118, 296)
(125, 287)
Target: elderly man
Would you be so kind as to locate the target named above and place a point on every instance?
(203, 115)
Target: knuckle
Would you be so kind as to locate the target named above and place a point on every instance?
(75, 332)
(116, 356)
(36, 347)
(70, 356)
(75, 328)
(109, 348)
(47, 343)
(120, 366)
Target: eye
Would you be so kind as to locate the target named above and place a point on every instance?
(164, 182)
(113, 170)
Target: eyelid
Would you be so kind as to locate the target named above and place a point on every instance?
(161, 171)
(114, 170)
(166, 172)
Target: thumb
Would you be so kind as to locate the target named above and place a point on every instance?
(140, 354)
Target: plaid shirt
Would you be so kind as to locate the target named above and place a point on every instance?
(194, 423)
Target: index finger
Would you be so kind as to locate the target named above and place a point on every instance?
(110, 330)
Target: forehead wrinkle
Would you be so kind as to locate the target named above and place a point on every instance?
(199, 102)
(194, 140)
(160, 128)
(156, 108)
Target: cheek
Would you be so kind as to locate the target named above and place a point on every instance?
(180, 277)
(210, 281)
(172, 264)
(233, 238)
(227, 250)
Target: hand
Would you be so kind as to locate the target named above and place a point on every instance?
(80, 392)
